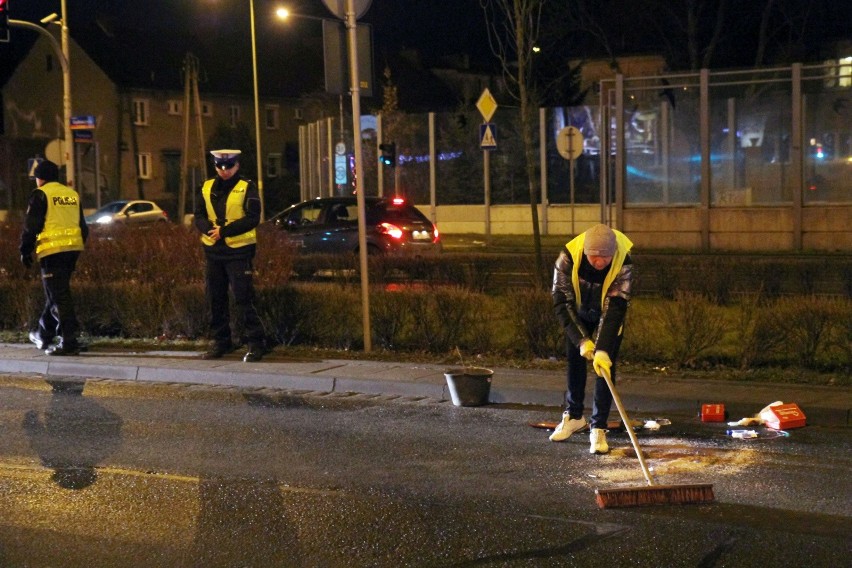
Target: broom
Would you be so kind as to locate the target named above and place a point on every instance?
(652, 494)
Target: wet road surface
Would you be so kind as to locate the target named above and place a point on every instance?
(111, 473)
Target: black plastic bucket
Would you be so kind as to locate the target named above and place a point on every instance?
(469, 386)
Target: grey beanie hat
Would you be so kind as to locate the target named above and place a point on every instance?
(599, 241)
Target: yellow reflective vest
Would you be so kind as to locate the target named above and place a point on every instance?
(61, 232)
(234, 209)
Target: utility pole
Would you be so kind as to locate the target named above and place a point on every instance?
(191, 99)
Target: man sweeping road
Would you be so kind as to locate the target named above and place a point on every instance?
(592, 283)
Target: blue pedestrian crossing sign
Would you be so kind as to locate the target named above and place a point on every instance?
(488, 136)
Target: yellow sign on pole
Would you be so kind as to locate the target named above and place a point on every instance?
(486, 105)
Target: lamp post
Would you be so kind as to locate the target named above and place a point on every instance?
(66, 103)
(64, 62)
(256, 110)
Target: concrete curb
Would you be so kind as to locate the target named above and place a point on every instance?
(643, 396)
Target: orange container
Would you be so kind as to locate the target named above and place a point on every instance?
(784, 416)
(712, 412)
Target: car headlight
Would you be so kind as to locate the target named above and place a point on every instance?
(105, 220)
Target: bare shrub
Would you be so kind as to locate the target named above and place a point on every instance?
(642, 332)
(391, 316)
(810, 326)
(285, 313)
(442, 318)
(333, 315)
(691, 325)
(751, 339)
(535, 327)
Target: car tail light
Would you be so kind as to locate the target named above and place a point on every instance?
(391, 230)
(437, 236)
(165, 216)
(398, 201)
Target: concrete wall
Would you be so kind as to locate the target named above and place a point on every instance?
(731, 228)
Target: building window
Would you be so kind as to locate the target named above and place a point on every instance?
(140, 112)
(206, 109)
(143, 165)
(233, 115)
(273, 165)
(271, 116)
(844, 72)
(297, 114)
(175, 107)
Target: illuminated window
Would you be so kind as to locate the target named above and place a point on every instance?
(143, 163)
(140, 112)
(844, 72)
(175, 107)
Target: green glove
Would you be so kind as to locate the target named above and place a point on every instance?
(587, 349)
(602, 364)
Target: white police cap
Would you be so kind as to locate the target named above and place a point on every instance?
(226, 154)
(225, 159)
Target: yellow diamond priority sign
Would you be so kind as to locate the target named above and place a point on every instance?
(486, 105)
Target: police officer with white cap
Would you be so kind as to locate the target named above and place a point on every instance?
(55, 229)
(227, 213)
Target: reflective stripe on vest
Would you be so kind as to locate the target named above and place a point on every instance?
(61, 232)
(234, 209)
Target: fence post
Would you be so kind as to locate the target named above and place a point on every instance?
(542, 153)
(797, 153)
(704, 135)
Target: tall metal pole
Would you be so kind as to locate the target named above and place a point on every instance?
(256, 110)
(62, 56)
(352, 24)
(70, 171)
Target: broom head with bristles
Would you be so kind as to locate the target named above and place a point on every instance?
(655, 495)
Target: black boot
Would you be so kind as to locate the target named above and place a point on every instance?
(255, 352)
(218, 350)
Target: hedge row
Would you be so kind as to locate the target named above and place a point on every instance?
(689, 330)
(148, 283)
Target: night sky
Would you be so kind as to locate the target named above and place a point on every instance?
(290, 54)
(432, 26)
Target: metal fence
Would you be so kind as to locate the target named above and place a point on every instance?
(779, 137)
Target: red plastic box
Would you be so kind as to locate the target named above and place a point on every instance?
(712, 412)
(784, 416)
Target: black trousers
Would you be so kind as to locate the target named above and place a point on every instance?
(58, 318)
(238, 275)
(576, 394)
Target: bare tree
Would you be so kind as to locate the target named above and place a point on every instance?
(513, 29)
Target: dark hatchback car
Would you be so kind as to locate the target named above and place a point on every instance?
(330, 225)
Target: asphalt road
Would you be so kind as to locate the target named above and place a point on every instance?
(114, 473)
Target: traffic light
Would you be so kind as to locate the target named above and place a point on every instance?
(4, 20)
(388, 157)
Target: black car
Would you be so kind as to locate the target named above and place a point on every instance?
(330, 225)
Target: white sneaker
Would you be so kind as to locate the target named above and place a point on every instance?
(598, 439)
(567, 427)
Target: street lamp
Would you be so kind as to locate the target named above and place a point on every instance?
(64, 62)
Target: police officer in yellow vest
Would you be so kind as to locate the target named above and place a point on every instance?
(55, 229)
(592, 287)
(227, 213)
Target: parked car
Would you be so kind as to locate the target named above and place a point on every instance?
(135, 212)
(330, 225)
